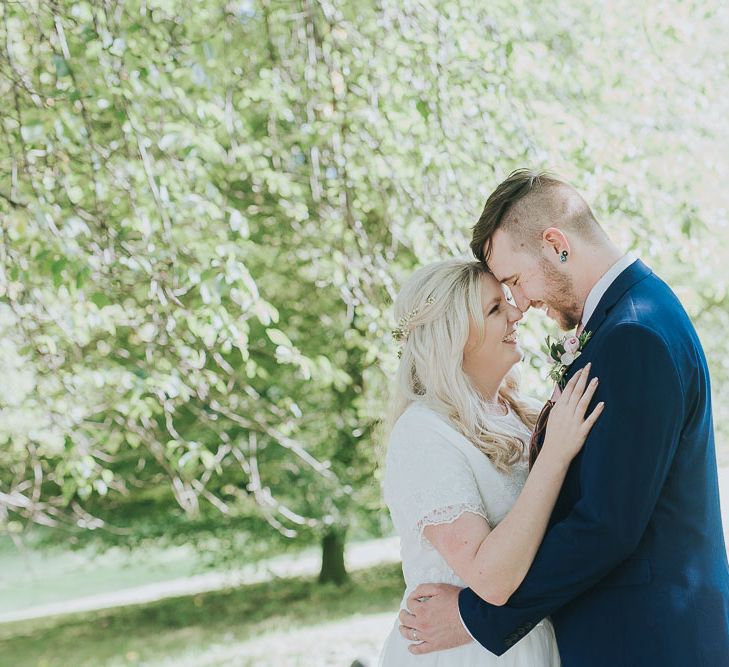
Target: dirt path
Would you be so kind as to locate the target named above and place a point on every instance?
(334, 644)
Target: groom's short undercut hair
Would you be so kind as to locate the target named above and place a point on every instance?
(527, 203)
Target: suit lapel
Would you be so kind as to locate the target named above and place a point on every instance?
(636, 272)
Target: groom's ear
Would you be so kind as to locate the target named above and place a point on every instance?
(555, 242)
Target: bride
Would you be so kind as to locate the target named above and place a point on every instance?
(457, 459)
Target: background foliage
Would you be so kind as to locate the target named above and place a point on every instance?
(206, 210)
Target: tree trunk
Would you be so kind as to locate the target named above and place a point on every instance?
(332, 558)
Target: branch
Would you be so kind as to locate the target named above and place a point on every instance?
(281, 439)
(12, 202)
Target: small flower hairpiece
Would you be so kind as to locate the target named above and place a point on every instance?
(402, 331)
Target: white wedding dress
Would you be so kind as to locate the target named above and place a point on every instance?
(433, 475)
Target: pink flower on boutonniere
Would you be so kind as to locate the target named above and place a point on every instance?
(563, 353)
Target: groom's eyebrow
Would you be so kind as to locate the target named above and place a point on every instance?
(505, 280)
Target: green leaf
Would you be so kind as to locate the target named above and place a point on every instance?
(278, 337)
(82, 275)
(68, 491)
(57, 270)
(207, 458)
(88, 34)
(100, 299)
(62, 68)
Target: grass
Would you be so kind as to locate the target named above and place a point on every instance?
(153, 633)
(43, 573)
(43, 576)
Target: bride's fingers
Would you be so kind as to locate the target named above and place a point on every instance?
(579, 387)
(584, 401)
(592, 417)
(567, 391)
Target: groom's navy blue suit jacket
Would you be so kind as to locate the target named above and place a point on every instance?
(633, 567)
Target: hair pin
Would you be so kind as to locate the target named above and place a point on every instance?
(402, 331)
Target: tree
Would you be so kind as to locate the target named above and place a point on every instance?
(207, 210)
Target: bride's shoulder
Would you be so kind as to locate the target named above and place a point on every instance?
(422, 423)
(416, 413)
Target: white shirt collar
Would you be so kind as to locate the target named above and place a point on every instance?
(602, 285)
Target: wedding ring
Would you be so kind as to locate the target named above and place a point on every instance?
(414, 633)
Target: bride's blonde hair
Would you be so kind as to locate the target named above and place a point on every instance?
(433, 311)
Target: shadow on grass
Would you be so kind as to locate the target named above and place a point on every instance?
(154, 632)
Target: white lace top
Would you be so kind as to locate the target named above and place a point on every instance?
(433, 474)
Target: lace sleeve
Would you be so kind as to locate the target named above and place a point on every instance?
(428, 480)
(448, 515)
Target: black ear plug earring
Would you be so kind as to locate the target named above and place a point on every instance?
(563, 256)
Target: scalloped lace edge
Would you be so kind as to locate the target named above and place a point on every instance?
(447, 514)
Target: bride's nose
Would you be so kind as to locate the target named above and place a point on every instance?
(515, 314)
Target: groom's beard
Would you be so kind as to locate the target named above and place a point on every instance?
(559, 296)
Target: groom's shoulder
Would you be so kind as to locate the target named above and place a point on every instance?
(631, 332)
(651, 314)
(652, 305)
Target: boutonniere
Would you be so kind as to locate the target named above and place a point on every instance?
(564, 353)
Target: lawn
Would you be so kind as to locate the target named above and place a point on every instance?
(181, 630)
(36, 577)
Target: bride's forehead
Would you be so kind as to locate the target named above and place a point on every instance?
(490, 287)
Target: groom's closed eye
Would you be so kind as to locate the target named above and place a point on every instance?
(507, 294)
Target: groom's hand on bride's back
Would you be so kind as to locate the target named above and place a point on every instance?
(433, 614)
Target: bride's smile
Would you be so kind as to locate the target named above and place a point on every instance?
(492, 347)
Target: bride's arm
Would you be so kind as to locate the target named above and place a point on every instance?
(493, 563)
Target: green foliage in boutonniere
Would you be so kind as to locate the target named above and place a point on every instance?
(564, 353)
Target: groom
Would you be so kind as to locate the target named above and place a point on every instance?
(633, 567)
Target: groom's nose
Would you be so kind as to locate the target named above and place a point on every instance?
(522, 303)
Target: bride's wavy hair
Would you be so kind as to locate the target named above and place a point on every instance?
(437, 304)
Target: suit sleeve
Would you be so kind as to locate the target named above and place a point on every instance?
(621, 470)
